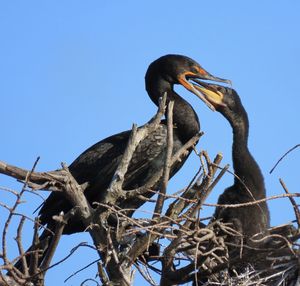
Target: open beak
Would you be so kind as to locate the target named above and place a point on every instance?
(205, 92)
(210, 92)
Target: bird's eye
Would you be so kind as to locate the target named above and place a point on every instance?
(194, 70)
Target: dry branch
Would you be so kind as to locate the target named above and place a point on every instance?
(183, 248)
(283, 156)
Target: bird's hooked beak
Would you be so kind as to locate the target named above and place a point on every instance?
(207, 94)
(211, 92)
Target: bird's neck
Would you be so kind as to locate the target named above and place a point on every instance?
(185, 119)
(245, 167)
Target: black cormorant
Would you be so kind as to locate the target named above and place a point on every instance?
(98, 163)
(96, 166)
(249, 182)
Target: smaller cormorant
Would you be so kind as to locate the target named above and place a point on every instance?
(249, 182)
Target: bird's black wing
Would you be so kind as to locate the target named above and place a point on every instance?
(97, 164)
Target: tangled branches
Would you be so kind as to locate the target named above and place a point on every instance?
(173, 241)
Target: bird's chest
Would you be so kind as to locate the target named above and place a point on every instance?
(154, 147)
(150, 157)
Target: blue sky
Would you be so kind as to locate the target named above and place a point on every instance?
(72, 73)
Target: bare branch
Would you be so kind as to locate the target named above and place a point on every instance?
(293, 202)
(186, 249)
(167, 167)
(282, 157)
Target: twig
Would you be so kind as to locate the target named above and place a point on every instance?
(34, 259)
(60, 224)
(293, 202)
(81, 269)
(102, 274)
(146, 275)
(73, 250)
(115, 189)
(89, 279)
(21, 174)
(9, 191)
(20, 246)
(254, 202)
(8, 220)
(298, 145)
(167, 165)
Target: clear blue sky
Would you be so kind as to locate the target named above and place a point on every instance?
(72, 73)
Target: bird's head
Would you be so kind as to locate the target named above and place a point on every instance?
(224, 99)
(178, 69)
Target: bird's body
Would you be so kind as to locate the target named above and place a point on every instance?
(98, 163)
(248, 182)
(248, 186)
(95, 167)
